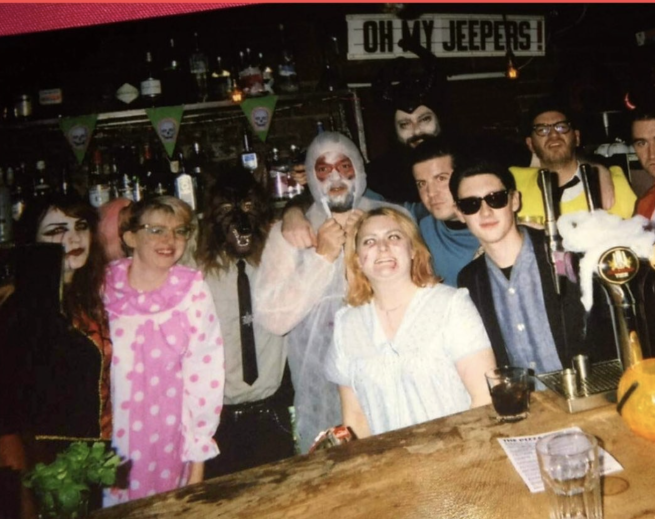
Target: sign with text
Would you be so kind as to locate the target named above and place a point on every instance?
(376, 36)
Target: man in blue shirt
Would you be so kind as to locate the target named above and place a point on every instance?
(451, 243)
(511, 284)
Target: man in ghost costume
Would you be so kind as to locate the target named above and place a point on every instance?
(298, 291)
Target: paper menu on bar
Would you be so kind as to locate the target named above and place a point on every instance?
(522, 452)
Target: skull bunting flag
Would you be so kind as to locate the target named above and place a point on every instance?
(78, 132)
(166, 121)
(259, 112)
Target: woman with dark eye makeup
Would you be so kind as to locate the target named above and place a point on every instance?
(54, 339)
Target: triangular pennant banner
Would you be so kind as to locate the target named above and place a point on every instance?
(259, 111)
(78, 132)
(166, 121)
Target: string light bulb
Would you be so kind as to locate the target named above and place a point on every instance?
(512, 71)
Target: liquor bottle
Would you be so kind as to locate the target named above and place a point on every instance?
(250, 77)
(331, 80)
(151, 85)
(6, 219)
(121, 179)
(18, 199)
(287, 78)
(278, 177)
(267, 74)
(248, 155)
(99, 186)
(319, 127)
(175, 79)
(220, 81)
(184, 185)
(198, 67)
(65, 185)
(195, 166)
(296, 164)
(127, 92)
(42, 181)
(135, 171)
(50, 97)
(156, 182)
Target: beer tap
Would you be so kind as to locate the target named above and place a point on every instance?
(548, 182)
(591, 185)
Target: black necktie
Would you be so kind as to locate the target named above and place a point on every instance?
(248, 353)
(571, 183)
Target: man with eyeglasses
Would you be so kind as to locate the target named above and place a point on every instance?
(552, 137)
(511, 284)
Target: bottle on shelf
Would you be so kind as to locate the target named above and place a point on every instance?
(42, 181)
(151, 90)
(296, 164)
(287, 78)
(22, 96)
(152, 172)
(115, 172)
(198, 68)
(331, 79)
(99, 185)
(220, 81)
(18, 194)
(23, 107)
(250, 76)
(65, 184)
(127, 93)
(195, 166)
(278, 177)
(6, 219)
(267, 74)
(184, 185)
(248, 155)
(175, 78)
(135, 171)
(50, 96)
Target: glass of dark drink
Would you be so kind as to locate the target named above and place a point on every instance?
(510, 392)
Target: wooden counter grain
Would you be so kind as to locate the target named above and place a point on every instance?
(453, 467)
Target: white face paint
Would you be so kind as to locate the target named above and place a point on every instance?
(74, 235)
(412, 128)
(384, 251)
(336, 177)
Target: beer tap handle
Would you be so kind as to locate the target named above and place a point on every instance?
(548, 182)
(591, 185)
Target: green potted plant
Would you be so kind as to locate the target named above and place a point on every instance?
(62, 487)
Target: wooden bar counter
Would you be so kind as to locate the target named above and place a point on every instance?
(453, 467)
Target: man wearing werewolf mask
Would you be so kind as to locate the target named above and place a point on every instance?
(255, 425)
(298, 291)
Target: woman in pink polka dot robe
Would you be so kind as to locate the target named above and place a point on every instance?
(168, 367)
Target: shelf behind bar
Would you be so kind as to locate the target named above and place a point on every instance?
(191, 111)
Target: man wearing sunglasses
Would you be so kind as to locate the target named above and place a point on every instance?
(551, 136)
(511, 284)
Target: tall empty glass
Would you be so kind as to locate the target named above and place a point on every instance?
(571, 474)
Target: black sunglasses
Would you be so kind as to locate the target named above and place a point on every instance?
(471, 205)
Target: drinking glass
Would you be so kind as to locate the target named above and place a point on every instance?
(570, 471)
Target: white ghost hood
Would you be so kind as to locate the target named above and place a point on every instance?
(334, 142)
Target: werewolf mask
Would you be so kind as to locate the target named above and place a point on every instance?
(236, 221)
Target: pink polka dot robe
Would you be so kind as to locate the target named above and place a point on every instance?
(167, 378)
